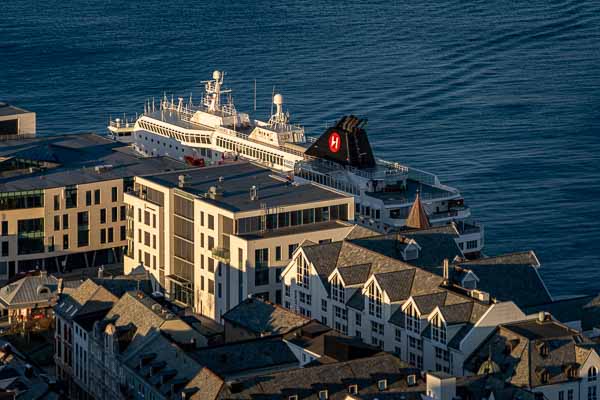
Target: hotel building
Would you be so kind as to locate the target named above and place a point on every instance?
(61, 201)
(214, 235)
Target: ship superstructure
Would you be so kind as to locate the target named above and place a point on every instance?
(213, 131)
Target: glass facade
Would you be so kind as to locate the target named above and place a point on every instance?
(30, 238)
(19, 200)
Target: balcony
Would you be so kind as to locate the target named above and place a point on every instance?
(220, 254)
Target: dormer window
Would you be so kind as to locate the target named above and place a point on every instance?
(374, 300)
(592, 374)
(413, 320)
(337, 289)
(382, 384)
(353, 389)
(438, 329)
(323, 395)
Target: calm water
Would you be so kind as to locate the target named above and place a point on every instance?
(502, 101)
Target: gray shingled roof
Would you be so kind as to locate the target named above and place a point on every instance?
(355, 274)
(335, 377)
(511, 277)
(87, 299)
(518, 348)
(263, 317)
(29, 291)
(230, 359)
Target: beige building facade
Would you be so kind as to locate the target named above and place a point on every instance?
(211, 241)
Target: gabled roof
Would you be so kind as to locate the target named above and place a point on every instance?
(29, 291)
(528, 350)
(355, 274)
(262, 317)
(88, 298)
(511, 277)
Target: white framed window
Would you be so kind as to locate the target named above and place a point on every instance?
(438, 329)
(337, 290)
(374, 299)
(413, 319)
(302, 275)
(592, 374)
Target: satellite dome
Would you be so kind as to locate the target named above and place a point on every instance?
(278, 99)
(216, 75)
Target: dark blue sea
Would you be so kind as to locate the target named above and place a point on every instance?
(500, 99)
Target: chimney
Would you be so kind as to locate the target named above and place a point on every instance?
(181, 181)
(446, 271)
(253, 193)
(101, 272)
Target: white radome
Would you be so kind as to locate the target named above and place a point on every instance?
(278, 99)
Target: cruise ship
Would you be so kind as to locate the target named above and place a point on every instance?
(388, 196)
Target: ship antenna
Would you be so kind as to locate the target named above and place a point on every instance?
(272, 96)
(255, 95)
(153, 104)
(191, 104)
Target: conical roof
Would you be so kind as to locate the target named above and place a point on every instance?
(417, 218)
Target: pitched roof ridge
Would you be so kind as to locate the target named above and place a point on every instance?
(478, 261)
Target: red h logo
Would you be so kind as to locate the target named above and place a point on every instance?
(334, 142)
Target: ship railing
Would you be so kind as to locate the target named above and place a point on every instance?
(389, 169)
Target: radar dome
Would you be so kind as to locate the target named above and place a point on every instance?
(216, 75)
(278, 99)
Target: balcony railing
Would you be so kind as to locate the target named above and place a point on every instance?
(221, 254)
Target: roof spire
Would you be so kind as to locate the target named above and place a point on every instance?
(417, 218)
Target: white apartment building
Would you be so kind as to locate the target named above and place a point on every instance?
(214, 235)
(371, 288)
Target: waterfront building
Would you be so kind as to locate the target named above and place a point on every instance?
(401, 293)
(15, 122)
(542, 355)
(61, 201)
(214, 235)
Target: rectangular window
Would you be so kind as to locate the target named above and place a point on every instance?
(147, 239)
(211, 243)
(123, 233)
(358, 319)
(65, 242)
(57, 222)
(4, 249)
(211, 222)
(154, 241)
(4, 228)
(56, 202)
(113, 193)
(154, 220)
(30, 236)
(323, 304)
(123, 213)
(278, 253)
(102, 236)
(211, 286)
(140, 215)
(153, 262)
(111, 235)
(211, 265)
(398, 336)
(261, 258)
(88, 198)
(97, 196)
(103, 215)
(147, 218)
(65, 221)
(114, 215)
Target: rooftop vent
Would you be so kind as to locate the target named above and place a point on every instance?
(215, 192)
(181, 181)
(103, 168)
(254, 193)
